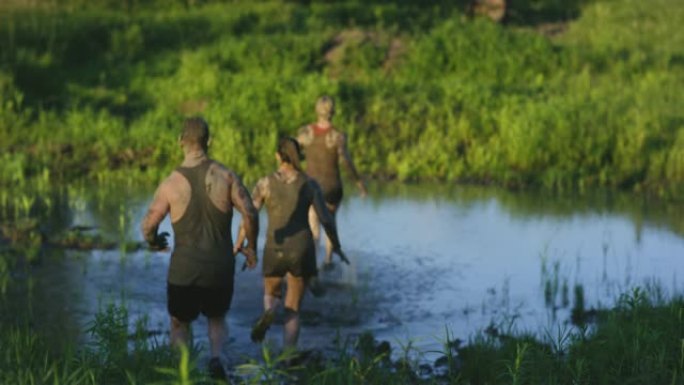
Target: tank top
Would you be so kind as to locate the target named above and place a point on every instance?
(203, 244)
(322, 163)
(289, 243)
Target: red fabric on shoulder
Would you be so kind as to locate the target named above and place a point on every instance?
(320, 130)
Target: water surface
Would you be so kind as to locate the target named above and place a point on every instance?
(426, 260)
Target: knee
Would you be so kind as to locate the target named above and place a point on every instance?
(273, 293)
(273, 288)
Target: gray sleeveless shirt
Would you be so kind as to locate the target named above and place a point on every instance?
(289, 243)
(203, 244)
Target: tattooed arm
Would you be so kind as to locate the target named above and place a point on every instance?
(250, 219)
(327, 220)
(324, 215)
(259, 194)
(304, 136)
(155, 214)
(343, 152)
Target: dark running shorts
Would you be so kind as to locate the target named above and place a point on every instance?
(333, 196)
(186, 302)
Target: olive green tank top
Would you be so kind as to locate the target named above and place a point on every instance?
(289, 243)
(203, 244)
(322, 163)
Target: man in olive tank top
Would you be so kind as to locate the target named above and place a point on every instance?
(324, 147)
(200, 196)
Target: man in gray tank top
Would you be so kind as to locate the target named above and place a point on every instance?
(200, 196)
(324, 148)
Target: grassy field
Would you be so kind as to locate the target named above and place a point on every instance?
(563, 95)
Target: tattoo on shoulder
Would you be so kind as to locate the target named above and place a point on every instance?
(242, 194)
(305, 135)
(231, 177)
(336, 140)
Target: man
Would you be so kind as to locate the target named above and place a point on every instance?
(200, 196)
(324, 147)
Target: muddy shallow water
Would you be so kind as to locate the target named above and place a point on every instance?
(426, 260)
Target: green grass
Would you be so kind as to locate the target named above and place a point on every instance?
(639, 341)
(423, 91)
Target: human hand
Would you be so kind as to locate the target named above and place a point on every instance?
(159, 243)
(343, 257)
(250, 258)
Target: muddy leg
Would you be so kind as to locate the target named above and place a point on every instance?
(180, 333)
(293, 300)
(272, 294)
(291, 327)
(217, 333)
(328, 244)
(314, 224)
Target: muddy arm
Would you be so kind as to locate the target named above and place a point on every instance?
(155, 214)
(249, 227)
(324, 215)
(258, 196)
(343, 151)
(304, 136)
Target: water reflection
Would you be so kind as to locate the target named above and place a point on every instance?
(425, 259)
(484, 254)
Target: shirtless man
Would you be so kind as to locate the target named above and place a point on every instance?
(289, 253)
(324, 147)
(200, 196)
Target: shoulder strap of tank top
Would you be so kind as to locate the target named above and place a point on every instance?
(196, 175)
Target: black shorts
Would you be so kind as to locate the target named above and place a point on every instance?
(186, 302)
(333, 196)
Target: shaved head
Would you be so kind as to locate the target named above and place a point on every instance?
(195, 132)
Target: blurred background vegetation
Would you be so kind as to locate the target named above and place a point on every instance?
(560, 94)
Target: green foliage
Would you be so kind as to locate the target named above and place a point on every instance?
(26, 361)
(114, 356)
(270, 369)
(648, 334)
(640, 341)
(100, 88)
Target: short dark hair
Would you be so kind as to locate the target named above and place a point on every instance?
(195, 131)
